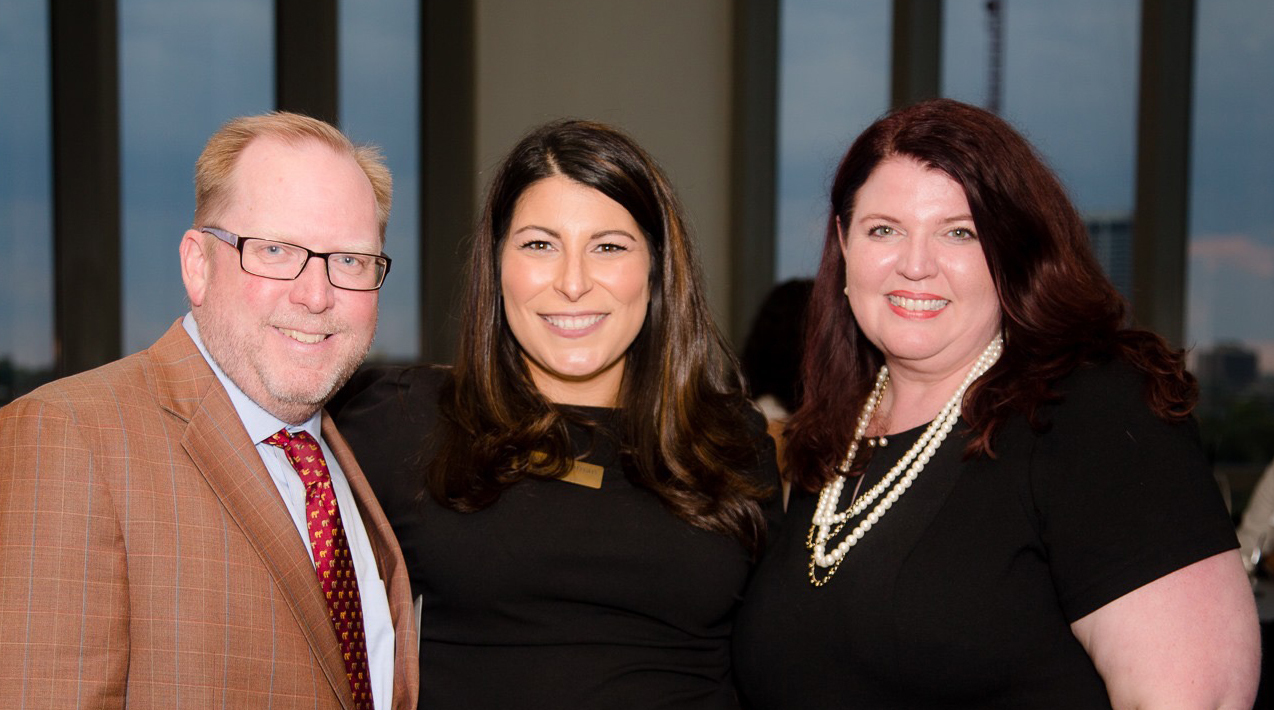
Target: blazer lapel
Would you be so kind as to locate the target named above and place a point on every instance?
(220, 449)
(393, 571)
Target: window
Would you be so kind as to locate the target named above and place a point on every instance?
(186, 67)
(1065, 75)
(380, 104)
(26, 221)
(1230, 267)
(833, 82)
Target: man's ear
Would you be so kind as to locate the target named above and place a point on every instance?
(196, 265)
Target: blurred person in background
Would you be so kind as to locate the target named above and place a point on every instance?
(771, 357)
(1256, 528)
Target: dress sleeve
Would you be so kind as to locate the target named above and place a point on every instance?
(1123, 497)
(388, 415)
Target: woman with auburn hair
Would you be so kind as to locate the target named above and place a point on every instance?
(999, 497)
(580, 499)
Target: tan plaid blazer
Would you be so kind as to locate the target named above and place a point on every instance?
(147, 561)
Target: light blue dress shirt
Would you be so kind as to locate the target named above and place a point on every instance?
(261, 425)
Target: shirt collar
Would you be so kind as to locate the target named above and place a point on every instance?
(260, 424)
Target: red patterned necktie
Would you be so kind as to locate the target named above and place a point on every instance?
(332, 562)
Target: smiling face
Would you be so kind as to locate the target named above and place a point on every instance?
(575, 276)
(287, 344)
(917, 279)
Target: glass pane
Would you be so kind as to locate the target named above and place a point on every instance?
(1230, 283)
(833, 82)
(186, 67)
(380, 104)
(1065, 74)
(26, 214)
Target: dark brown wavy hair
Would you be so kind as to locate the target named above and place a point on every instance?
(682, 409)
(1058, 309)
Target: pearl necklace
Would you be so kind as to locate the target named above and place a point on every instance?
(827, 523)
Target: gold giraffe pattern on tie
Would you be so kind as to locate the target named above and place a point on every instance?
(332, 562)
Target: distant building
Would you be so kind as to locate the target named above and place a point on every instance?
(1111, 238)
(1225, 371)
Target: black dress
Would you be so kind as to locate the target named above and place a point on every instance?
(558, 595)
(963, 594)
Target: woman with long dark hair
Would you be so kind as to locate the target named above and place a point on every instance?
(580, 498)
(999, 497)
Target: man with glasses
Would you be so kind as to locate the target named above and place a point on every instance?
(185, 527)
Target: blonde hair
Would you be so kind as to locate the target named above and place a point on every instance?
(215, 167)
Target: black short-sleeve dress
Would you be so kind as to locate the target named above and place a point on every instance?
(558, 595)
(963, 594)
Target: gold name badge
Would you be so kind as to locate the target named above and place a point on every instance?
(584, 474)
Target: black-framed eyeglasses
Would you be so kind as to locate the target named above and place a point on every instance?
(282, 261)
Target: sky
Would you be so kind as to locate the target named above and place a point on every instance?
(26, 278)
(1069, 85)
(174, 92)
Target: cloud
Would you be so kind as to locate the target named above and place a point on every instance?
(1237, 252)
(1229, 288)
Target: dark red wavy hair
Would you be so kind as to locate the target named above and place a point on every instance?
(1058, 309)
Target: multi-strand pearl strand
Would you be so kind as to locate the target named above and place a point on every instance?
(827, 523)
